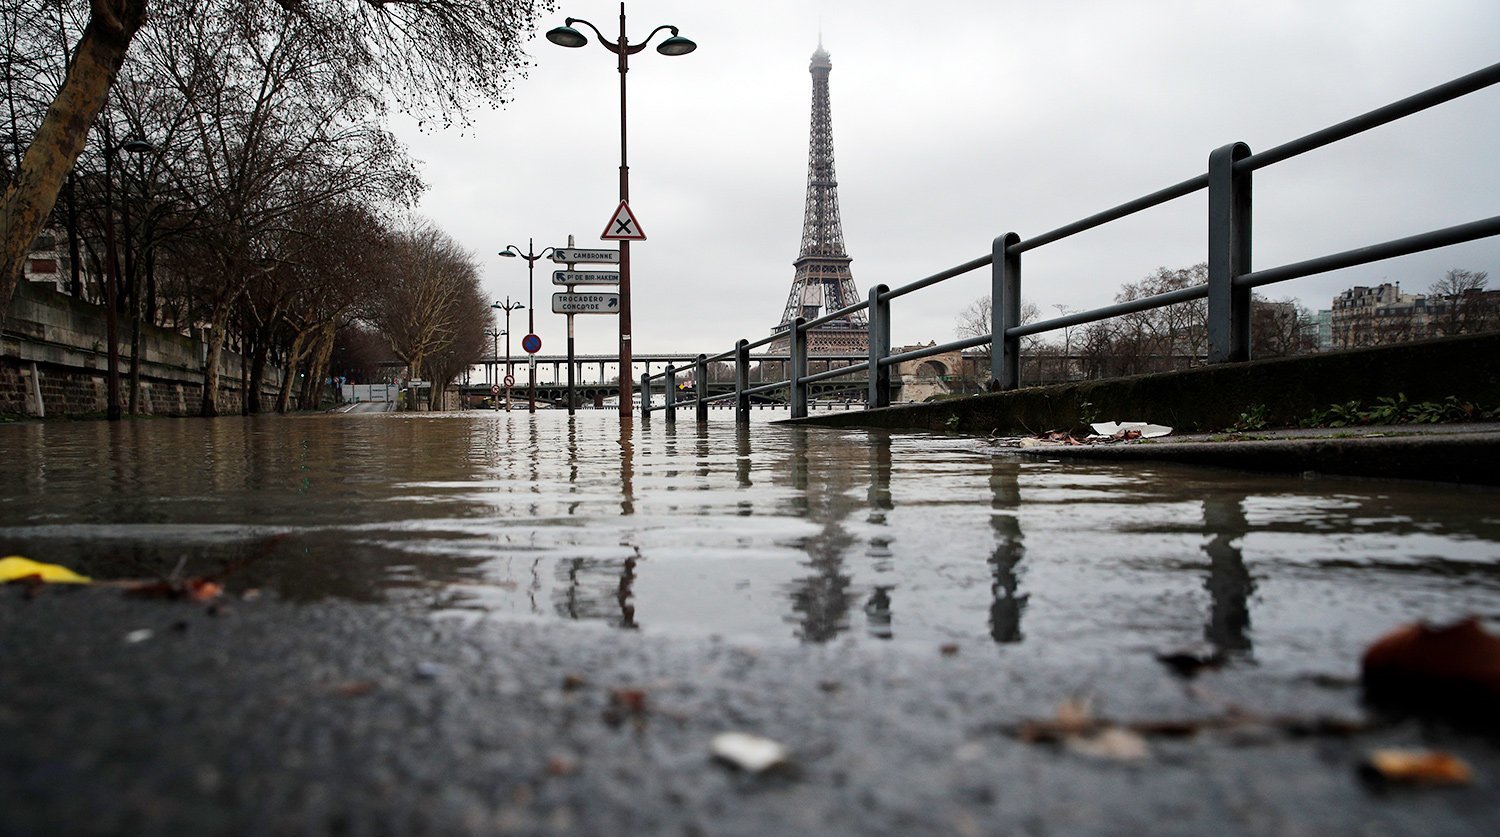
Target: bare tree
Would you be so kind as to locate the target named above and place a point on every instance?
(1280, 328)
(1461, 304)
(427, 309)
(975, 320)
(434, 57)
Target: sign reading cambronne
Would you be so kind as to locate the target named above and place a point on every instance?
(585, 303)
(585, 277)
(572, 255)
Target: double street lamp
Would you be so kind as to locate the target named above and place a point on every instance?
(567, 36)
(507, 306)
(511, 251)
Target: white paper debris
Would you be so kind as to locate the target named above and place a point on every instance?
(1114, 428)
(750, 753)
(140, 635)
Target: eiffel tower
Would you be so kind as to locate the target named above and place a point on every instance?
(823, 282)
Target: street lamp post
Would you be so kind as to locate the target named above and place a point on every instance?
(137, 148)
(567, 36)
(508, 307)
(512, 251)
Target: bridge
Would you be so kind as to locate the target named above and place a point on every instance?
(599, 389)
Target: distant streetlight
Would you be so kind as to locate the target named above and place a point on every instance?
(508, 307)
(511, 251)
(137, 148)
(496, 333)
(567, 36)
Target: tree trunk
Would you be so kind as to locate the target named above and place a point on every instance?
(289, 375)
(317, 364)
(216, 335)
(60, 139)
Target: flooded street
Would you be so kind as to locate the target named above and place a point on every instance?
(776, 534)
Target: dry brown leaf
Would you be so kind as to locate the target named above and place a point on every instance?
(1419, 767)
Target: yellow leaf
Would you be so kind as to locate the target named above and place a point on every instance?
(14, 567)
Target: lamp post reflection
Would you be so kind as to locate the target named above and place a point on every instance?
(1006, 604)
(1229, 583)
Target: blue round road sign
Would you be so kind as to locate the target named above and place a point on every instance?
(531, 343)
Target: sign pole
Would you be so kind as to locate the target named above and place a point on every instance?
(570, 345)
(571, 400)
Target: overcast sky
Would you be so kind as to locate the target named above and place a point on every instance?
(958, 120)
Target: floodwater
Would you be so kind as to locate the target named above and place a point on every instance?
(770, 533)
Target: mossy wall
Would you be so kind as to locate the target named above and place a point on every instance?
(1212, 398)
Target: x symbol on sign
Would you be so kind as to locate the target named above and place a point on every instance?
(623, 226)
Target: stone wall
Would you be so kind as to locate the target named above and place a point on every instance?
(54, 345)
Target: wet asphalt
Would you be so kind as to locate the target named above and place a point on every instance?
(121, 715)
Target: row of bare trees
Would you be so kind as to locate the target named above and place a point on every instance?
(235, 172)
(1156, 340)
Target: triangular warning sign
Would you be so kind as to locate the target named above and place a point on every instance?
(622, 226)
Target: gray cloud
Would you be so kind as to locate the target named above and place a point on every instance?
(957, 121)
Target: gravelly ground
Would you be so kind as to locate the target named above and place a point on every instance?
(336, 717)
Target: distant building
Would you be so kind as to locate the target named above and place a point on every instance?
(45, 263)
(1373, 316)
(1323, 324)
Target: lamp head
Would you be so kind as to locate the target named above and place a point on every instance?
(508, 254)
(138, 146)
(567, 36)
(676, 45)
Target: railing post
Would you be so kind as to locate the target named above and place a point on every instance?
(798, 392)
(701, 408)
(671, 397)
(741, 382)
(880, 346)
(1228, 255)
(1005, 313)
(645, 395)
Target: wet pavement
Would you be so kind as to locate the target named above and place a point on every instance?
(272, 718)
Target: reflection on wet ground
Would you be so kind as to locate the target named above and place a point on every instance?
(808, 535)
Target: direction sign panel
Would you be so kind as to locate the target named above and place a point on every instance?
(585, 277)
(531, 343)
(573, 255)
(586, 303)
(622, 226)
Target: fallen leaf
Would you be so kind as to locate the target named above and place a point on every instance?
(948, 650)
(1441, 667)
(626, 704)
(1111, 743)
(17, 568)
(1419, 767)
(355, 688)
(561, 765)
(750, 753)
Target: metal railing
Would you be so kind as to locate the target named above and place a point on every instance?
(1228, 289)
